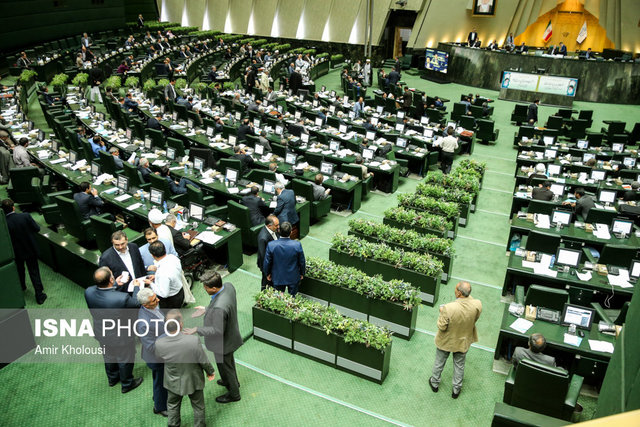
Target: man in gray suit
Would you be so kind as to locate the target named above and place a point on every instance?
(537, 344)
(221, 332)
(319, 192)
(184, 361)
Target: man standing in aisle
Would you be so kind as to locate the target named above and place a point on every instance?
(267, 234)
(456, 332)
(449, 146)
(284, 262)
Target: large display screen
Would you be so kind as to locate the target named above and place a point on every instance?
(536, 83)
(436, 60)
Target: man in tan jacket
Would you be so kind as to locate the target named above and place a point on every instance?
(456, 332)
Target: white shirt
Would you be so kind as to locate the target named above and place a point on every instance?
(126, 258)
(164, 233)
(168, 281)
(273, 235)
(449, 144)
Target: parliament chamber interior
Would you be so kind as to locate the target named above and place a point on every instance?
(292, 212)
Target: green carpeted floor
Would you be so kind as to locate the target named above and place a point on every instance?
(279, 388)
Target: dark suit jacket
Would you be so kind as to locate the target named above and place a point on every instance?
(532, 112)
(148, 336)
(472, 37)
(153, 123)
(256, 208)
(111, 259)
(220, 325)
(184, 361)
(541, 193)
(285, 261)
(181, 244)
(264, 237)
(295, 82)
(115, 304)
(22, 229)
(245, 162)
(393, 77)
(286, 207)
(145, 172)
(88, 204)
(243, 131)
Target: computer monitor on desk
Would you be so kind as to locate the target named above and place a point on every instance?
(231, 175)
(554, 170)
(196, 211)
(607, 196)
(542, 242)
(156, 196)
(617, 147)
(401, 142)
(561, 217)
(290, 158)
(123, 183)
(581, 317)
(634, 270)
(557, 189)
(326, 168)
(367, 154)
(371, 135)
(598, 175)
(548, 139)
(629, 162)
(268, 187)
(583, 144)
(550, 154)
(334, 145)
(568, 257)
(622, 226)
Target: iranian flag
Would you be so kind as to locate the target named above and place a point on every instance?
(583, 33)
(547, 32)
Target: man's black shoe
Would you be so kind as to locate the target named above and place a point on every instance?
(433, 389)
(455, 395)
(113, 383)
(136, 383)
(163, 413)
(225, 398)
(221, 383)
(40, 299)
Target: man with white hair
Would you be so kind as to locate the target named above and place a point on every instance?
(181, 241)
(155, 220)
(144, 169)
(150, 327)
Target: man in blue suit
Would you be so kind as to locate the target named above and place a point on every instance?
(286, 205)
(284, 262)
(149, 329)
(106, 304)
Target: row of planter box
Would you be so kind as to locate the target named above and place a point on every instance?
(429, 286)
(316, 344)
(352, 304)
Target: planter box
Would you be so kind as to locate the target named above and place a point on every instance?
(316, 290)
(272, 328)
(393, 315)
(455, 220)
(313, 342)
(398, 224)
(365, 362)
(429, 286)
(465, 211)
(349, 303)
(446, 259)
(474, 203)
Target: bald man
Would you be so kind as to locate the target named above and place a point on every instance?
(456, 332)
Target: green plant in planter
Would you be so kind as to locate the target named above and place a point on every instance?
(26, 76)
(80, 80)
(468, 183)
(447, 194)
(113, 82)
(309, 52)
(132, 82)
(163, 82)
(148, 85)
(181, 84)
(421, 263)
(410, 238)
(371, 286)
(311, 313)
(419, 219)
(228, 86)
(479, 167)
(59, 82)
(429, 204)
(337, 58)
(199, 87)
(323, 55)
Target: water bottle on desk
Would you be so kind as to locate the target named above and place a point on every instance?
(186, 169)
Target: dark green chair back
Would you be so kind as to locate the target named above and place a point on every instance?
(555, 122)
(6, 248)
(157, 138)
(19, 187)
(133, 174)
(314, 159)
(278, 149)
(542, 242)
(601, 216)
(259, 175)
(72, 219)
(107, 163)
(302, 188)
(541, 207)
(223, 164)
(618, 255)
(177, 145)
(103, 229)
(239, 215)
(160, 183)
(542, 296)
(468, 122)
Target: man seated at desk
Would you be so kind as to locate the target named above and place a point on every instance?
(245, 160)
(633, 194)
(543, 192)
(540, 172)
(319, 192)
(583, 203)
(154, 122)
(246, 128)
(561, 49)
(537, 344)
(89, 203)
(262, 140)
(176, 187)
(273, 167)
(116, 157)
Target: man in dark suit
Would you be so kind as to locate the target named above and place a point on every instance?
(181, 241)
(143, 168)
(89, 203)
(561, 49)
(532, 112)
(543, 192)
(170, 90)
(393, 77)
(154, 122)
(266, 235)
(286, 205)
(472, 37)
(256, 206)
(22, 231)
(221, 332)
(245, 160)
(150, 327)
(123, 257)
(140, 21)
(284, 262)
(251, 80)
(213, 74)
(295, 82)
(184, 363)
(246, 128)
(108, 305)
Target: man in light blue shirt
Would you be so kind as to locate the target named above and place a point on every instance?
(151, 235)
(97, 144)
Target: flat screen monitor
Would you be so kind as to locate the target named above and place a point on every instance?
(598, 175)
(371, 135)
(424, 120)
(379, 109)
(114, 124)
(554, 170)
(290, 159)
(259, 149)
(607, 196)
(198, 163)
(582, 317)
(367, 154)
(550, 154)
(326, 168)
(561, 217)
(269, 187)
(238, 115)
(95, 169)
(231, 175)
(319, 121)
(374, 121)
(171, 153)
(428, 133)
(54, 145)
(333, 93)
(634, 270)
(73, 157)
(452, 124)
(629, 162)
(342, 128)
(156, 196)
(352, 115)
(40, 135)
(174, 116)
(400, 115)
(232, 140)
(210, 131)
(622, 226)
(123, 183)
(588, 156)
(401, 142)
(304, 137)
(203, 153)
(279, 129)
(196, 211)
(583, 144)
(617, 147)
(570, 257)
(332, 109)
(297, 114)
(148, 143)
(399, 127)
(548, 140)
(334, 145)
(557, 189)
(436, 60)
(256, 122)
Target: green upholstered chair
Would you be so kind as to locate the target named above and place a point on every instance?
(46, 200)
(555, 122)
(177, 145)
(157, 138)
(459, 110)
(314, 159)
(611, 316)
(356, 170)
(159, 183)
(618, 255)
(319, 208)
(104, 228)
(72, 219)
(135, 177)
(259, 175)
(509, 416)
(542, 296)
(541, 388)
(432, 161)
(19, 188)
(196, 195)
(239, 216)
(467, 122)
(108, 163)
(486, 132)
(223, 164)
(519, 115)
